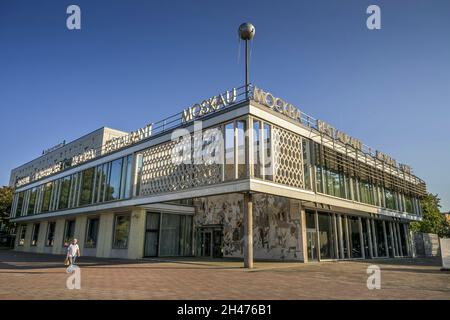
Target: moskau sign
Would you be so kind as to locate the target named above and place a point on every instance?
(277, 104)
(209, 105)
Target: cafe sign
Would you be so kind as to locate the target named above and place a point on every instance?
(277, 104)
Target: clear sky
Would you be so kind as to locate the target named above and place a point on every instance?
(135, 62)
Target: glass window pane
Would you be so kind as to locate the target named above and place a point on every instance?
(48, 188)
(170, 235)
(139, 166)
(242, 168)
(20, 204)
(64, 193)
(153, 221)
(113, 190)
(32, 201)
(355, 239)
(268, 167)
(87, 185)
(23, 233)
(121, 231)
(92, 233)
(229, 152)
(50, 234)
(35, 235)
(326, 236)
(257, 154)
(69, 232)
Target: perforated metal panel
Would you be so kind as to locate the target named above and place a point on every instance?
(288, 158)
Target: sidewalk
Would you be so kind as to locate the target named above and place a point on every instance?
(38, 276)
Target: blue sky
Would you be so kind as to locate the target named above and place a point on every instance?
(135, 62)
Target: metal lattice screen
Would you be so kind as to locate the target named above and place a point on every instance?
(165, 167)
(288, 158)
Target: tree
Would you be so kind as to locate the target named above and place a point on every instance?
(433, 221)
(6, 198)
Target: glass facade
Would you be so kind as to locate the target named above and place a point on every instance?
(342, 236)
(168, 235)
(106, 182)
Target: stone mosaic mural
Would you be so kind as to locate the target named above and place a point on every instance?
(277, 224)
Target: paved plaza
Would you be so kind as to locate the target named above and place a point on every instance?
(38, 276)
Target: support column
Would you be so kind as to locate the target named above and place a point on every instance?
(304, 235)
(393, 239)
(361, 238)
(369, 238)
(408, 242)
(386, 244)
(374, 239)
(341, 239)
(399, 238)
(336, 238)
(347, 237)
(316, 220)
(248, 236)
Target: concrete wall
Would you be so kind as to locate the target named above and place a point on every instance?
(103, 248)
(425, 244)
(277, 227)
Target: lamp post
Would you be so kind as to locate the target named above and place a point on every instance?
(246, 33)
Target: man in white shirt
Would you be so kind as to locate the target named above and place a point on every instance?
(73, 251)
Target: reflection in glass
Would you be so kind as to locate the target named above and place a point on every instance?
(121, 231)
(241, 163)
(92, 233)
(326, 236)
(113, 190)
(32, 201)
(229, 152)
(64, 193)
(355, 239)
(87, 184)
(257, 149)
(47, 197)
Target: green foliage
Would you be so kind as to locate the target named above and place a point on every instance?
(6, 198)
(433, 221)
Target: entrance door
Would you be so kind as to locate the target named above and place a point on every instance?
(210, 242)
(311, 238)
(206, 243)
(152, 234)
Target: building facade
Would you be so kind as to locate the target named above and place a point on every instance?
(242, 174)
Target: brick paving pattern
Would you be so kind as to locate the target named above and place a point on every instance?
(38, 276)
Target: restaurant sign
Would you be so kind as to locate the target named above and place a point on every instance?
(129, 139)
(329, 130)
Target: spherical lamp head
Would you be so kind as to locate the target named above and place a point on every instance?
(246, 31)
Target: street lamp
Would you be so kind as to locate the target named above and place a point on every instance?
(246, 33)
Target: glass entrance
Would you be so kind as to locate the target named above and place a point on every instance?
(311, 238)
(210, 242)
(168, 234)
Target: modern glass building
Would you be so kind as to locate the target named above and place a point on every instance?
(242, 174)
